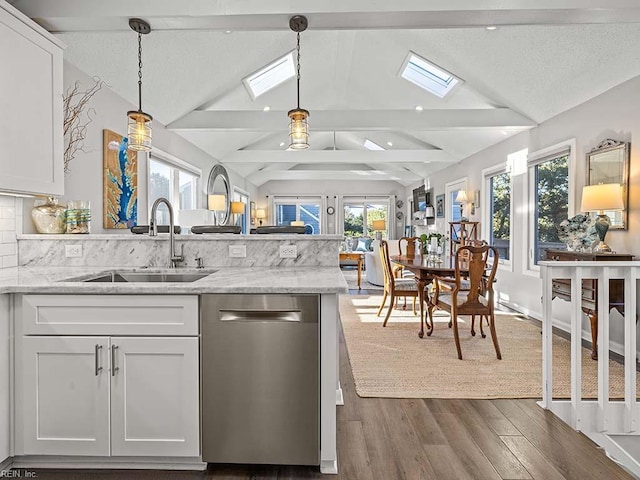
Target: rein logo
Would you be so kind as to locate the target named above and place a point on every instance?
(17, 474)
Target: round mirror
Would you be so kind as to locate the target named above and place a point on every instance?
(219, 184)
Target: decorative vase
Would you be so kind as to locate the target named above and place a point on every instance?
(49, 217)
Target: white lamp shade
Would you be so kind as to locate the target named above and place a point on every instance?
(606, 196)
(297, 223)
(217, 202)
(461, 197)
(260, 213)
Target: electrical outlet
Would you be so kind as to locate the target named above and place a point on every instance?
(288, 251)
(237, 251)
(73, 251)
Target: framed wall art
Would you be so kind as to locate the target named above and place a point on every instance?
(120, 182)
(440, 206)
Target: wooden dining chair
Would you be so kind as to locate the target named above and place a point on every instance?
(395, 287)
(476, 298)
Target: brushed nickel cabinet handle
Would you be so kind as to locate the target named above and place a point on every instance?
(113, 360)
(98, 367)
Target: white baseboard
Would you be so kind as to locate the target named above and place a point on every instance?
(141, 463)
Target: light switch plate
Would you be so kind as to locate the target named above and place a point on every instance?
(237, 251)
(288, 251)
(73, 251)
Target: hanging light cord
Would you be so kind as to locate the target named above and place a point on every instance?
(298, 77)
(140, 72)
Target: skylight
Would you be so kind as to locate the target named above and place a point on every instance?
(270, 76)
(428, 76)
(372, 146)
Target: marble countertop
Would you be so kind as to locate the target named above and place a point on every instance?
(68, 280)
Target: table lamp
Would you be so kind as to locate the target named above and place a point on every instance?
(237, 208)
(598, 198)
(461, 198)
(217, 203)
(261, 214)
(297, 223)
(379, 226)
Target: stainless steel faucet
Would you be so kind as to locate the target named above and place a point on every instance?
(153, 231)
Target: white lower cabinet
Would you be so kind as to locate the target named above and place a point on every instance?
(118, 396)
(107, 385)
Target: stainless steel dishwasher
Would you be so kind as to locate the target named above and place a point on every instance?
(260, 379)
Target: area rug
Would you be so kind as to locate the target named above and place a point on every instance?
(393, 362)
(351, 276)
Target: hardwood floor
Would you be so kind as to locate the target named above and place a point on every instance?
(407, 439)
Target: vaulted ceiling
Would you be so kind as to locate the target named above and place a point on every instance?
(543, 58)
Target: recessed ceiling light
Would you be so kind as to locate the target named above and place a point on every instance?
(266, 108)
(390, 144)
(419, 108)
(504, 133)
(282, 144)
(227, 32)
(491, 27)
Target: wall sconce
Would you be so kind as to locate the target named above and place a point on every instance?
(461, 198)
(216, 203)
(598, 198)
(261, 214)
(476, 202)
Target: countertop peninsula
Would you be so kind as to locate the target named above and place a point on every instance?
(69, 280)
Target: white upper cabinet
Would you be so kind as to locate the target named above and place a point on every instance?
(31, 134)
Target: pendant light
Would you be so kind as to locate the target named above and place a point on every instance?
(139, 129)
(299, 127)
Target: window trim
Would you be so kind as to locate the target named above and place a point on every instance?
(390, 200)
(534, 159)
(297, 199)
(172, 161)
(487, 174)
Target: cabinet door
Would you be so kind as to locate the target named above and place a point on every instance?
(155, 397)
(31, 136)
(5, 366)
(65, 395)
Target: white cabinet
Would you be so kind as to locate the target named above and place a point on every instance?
(31, 136)
(107, 395)
(5, 368)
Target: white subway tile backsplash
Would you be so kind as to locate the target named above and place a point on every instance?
(7, 224)
(8, 237)
(9, 261)
(8, 249)
(7, 212)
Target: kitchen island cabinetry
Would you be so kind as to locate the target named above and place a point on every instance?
(31, 105)
(97, 390)
(5, 369)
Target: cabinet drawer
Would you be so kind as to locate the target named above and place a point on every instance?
(108, 314)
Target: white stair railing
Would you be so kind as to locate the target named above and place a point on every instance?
(598, 418)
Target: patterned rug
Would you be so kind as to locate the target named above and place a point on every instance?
(393, 362)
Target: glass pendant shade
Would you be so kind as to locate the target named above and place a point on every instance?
(299, 129)
(139, 130)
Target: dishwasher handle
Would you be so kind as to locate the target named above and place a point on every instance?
(260, 315)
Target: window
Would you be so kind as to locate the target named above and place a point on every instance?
(174, 180)
(368, 144)
(359, 214)
(298, 209)
(550, 191)
(497, 220)
(428, 76)
(270, 76)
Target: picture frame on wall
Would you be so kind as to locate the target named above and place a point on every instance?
(252, 212)
(440, 206)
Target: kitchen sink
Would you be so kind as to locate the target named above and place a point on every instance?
(167, 277)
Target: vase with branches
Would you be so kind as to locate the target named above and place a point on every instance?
(77, 117)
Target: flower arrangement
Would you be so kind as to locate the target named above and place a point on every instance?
(426, 240)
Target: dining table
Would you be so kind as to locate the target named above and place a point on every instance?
(426, 268)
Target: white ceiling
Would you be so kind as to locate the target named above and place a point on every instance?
(545, 57)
